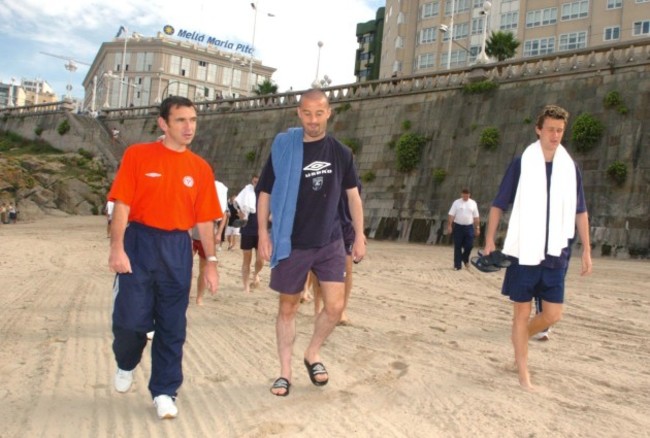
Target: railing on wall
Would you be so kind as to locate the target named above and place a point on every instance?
(593, 59)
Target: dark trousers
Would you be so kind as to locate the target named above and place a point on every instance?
(463, 243)
(154, 296)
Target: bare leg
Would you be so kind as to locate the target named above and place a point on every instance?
(333, 297)
(550, 314)
(200, 282)
(348, 289)
(259, 264)
(305, 295)
(285, 331)
(318, 295)
(520, 342)
(246, 269)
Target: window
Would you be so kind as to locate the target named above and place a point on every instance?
(185, 66)
(399, 42)
(397, 66)
(201, 70)
(612, 33)
(430, 9)
(461, 30)
(459, 6)
(641, 28)
(175, 65)
(572, 41)
(477, 25)
(575, 10)
(458, 57)
(542, 46)
(427, 35)
(426, 60)
(509, 20)
(642, 1)
(400, 18)
(541, 17)
(212, 73)
(614, 4)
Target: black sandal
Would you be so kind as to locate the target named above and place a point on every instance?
(315, 369)
(281, 383)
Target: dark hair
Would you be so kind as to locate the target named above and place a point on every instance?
(173, 102)
(465, 191)
(552, 112)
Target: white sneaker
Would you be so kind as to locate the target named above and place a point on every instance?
(123, 380)
(165, 407)
(542, 336)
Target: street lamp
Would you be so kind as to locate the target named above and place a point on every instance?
(11, 93)
(444, 28)
(316, 83)
(252, 48)
(160, 72)
(136, 36)
(482, 57)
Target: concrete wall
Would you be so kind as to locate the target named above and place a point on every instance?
(413, 206)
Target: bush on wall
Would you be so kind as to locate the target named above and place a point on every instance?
(490, 138)
(617, 172)
(586, 132)
(409, 151)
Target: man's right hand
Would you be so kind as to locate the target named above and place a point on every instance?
(119, 262)
(264, 246)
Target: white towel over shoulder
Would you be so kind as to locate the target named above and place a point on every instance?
(527, 227)
(246, 200)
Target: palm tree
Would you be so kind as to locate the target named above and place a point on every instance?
(501, 45)
(266, 87)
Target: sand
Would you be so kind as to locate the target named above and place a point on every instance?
(428, 353)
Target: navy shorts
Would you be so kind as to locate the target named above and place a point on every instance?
(327, 262)
(248, 242)
(521, 283)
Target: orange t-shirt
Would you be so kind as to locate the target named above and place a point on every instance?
(166, 189)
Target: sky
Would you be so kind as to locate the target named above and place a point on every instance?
(287, 40)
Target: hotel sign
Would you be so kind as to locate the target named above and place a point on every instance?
(207, 39)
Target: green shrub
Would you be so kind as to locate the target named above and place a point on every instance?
(528, 120)
(63, 127)
(617, 172)
(409, 151)
(613, 99)
(353, 144)
(368, 176)
(86, 154)
(406, 125)
(439, 175)
(490, 138)
(587, 132)
(480, 87)
(250, 156)
(38, 131)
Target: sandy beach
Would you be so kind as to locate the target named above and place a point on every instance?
(428, 353)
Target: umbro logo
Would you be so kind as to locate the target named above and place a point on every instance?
(316, 166)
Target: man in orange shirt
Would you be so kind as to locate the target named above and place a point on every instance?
(161, 190)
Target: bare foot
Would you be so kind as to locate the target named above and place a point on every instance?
(256, 282)
(524, 379)
(199, 301)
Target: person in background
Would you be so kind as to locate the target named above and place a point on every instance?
(463, 221)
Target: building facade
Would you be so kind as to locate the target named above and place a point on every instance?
(368, 55)
(416, 32)
(38, 91)
(142, 71)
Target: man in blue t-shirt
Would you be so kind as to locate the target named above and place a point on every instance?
(316, 240)
(544, 186)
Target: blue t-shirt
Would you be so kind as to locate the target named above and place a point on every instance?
(506, 197)
(328, 169)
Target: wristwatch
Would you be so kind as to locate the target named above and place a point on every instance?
(212, 259)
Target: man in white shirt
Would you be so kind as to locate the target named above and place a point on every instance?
(464, 217)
